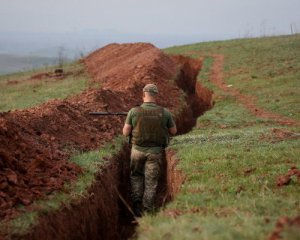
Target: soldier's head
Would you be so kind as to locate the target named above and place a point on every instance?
(150, 91)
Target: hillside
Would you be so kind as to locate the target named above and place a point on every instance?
(231, 173)
(241, 161)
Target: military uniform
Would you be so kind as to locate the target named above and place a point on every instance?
(150, 124)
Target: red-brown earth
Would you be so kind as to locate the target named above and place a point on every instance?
(283, 224)
(35, 144)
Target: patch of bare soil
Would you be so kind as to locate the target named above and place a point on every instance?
(175, 213)
(282, 224)
(277, 135)
(287, 178)
(35, 144)
(248, 101)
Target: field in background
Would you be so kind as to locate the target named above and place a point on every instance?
(266, 68)
(31, 88)
(13, 63)
(232, 159)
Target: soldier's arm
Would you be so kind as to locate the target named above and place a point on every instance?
(127, 129)
(128, 124)
(172, 130)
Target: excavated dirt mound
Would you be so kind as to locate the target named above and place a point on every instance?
(128, 67)
(35, 144)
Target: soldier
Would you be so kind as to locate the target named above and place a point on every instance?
(150, 126)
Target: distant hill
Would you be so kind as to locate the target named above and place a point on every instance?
(13, 63)
(80, 42)
(27, 50)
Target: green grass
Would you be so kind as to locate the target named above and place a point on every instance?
(92, 162)
(218, 199)
(266, 68)
(28, 93)
(232, 159)
(229, 204)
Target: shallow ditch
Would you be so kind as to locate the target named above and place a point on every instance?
(103, 213)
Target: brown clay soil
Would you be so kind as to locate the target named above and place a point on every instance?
(276, 135)
(248, 101)
(282, 224)
(35, 144)
(287, 178)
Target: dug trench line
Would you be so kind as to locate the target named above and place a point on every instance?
(34, 164)
(103, 214)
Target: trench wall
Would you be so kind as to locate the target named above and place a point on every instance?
(198, 100)
(101, 214)
(98, 214)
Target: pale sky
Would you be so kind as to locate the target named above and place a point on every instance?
(178, 17)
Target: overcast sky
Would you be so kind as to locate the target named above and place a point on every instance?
(220, 17)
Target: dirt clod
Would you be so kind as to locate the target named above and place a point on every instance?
(282, 224)
(249, 171)
(286, 179)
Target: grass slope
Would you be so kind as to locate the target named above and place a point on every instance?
(266, 68)
(232, 159)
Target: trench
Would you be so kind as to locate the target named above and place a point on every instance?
(103, 213)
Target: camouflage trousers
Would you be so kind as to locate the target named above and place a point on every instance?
(145, 172)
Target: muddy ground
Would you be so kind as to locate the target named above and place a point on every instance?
(35, 144)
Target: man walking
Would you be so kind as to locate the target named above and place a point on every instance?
(150, 126)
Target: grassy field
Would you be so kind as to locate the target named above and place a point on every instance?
(19, 90)
(266, 68)
(232, 159)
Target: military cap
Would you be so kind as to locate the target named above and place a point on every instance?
(150, 88)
